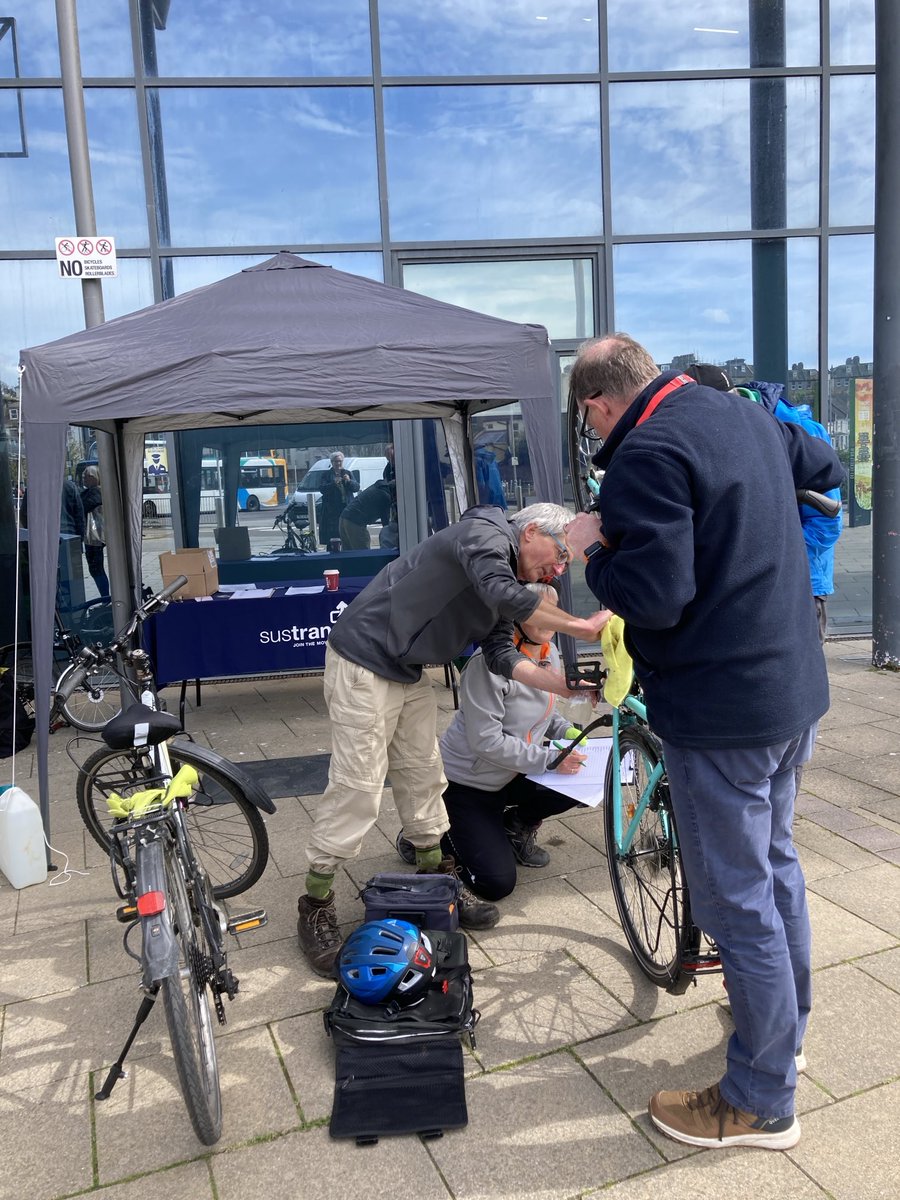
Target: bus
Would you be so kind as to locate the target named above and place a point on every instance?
(262, 483)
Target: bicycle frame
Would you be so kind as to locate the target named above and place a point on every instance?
(625, 839)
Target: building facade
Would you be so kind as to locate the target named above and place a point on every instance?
(700, 175)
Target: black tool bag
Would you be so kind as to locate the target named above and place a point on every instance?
(428, 901)
(399, 1069)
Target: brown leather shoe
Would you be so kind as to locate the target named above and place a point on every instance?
(317, 930)
(707, 1119)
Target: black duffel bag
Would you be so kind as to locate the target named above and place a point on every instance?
(428, 901)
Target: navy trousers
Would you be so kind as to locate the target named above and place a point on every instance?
(734, 810)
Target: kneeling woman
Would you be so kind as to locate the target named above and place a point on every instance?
(496, 738)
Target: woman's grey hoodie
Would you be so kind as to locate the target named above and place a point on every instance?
(498, 730)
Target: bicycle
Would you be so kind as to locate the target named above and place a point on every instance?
(298, 539)
(227, 831)
(642, 850)
(168, 895)
(85, 694)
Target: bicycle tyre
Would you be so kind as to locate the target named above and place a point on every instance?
(647, 882)
(227, 833)
(186, 1004)
(89, 697)
(580, 450)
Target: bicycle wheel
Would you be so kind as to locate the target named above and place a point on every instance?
(186, 1003)
(227, 832)
(580, 451)
(89, 697)
(646, 875)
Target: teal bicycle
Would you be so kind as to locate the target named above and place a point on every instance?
(642, 849)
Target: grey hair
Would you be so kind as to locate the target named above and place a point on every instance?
(333, 455)
(614, 365)
(91, 473)
(549, 518)
(543, 590)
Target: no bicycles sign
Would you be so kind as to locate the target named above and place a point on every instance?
(86, 257)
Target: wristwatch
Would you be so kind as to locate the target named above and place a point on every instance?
(592, 549)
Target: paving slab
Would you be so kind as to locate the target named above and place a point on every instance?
(873, 893)
(541, 1004)
(839, 936)
(45, 1140)
(309, 1164)
(851, 1041)
(541, 1131)
(189, 1181)
(256, 1101)
(850, 1149)
(46, 962)
(722, 1175)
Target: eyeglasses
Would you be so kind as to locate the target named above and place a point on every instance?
(587, 431)
(564, 556)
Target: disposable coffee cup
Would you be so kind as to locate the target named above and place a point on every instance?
(332, 579)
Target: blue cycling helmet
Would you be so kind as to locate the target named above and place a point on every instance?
(384, 960)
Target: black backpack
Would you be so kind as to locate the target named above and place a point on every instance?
(11, 703)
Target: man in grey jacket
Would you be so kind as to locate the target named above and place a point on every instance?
(464, 584)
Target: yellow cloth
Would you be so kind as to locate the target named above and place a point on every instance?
(620, 669)
(139, 803)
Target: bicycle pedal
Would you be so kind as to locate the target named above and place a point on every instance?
(248, 921)
(126, 913)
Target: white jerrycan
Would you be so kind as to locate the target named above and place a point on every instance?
(23, 858)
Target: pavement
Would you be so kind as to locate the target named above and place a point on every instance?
(572, 1040)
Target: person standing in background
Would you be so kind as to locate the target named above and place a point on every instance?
(337, 492)
(94, 535)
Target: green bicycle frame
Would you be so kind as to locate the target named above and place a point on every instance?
(631, 712)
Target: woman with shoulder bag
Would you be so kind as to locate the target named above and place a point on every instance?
(94, 537)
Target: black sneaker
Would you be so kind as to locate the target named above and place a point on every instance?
(405, 849)
(523, 839)
(317, 930)
(473, 913)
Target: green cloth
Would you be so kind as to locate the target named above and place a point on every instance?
(429, 858)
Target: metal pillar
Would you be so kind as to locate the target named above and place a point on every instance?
(886, 447)
(768, 192)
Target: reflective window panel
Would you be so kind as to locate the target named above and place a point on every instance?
(686, 298)
(278, 37)
(493, 162)
(555, 293)
(36, 190)
(194, 272)
(647, 35)
(851, 197)
(850, 395)
(37, 306)
(104, 36)
(281, 165)
(803, 322)
(681, 155)
(488, 37)
(852, 32)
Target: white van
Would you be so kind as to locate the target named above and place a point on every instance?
(365, 471)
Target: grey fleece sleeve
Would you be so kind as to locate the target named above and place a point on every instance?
(483, 699)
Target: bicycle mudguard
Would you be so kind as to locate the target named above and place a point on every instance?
(205, 757)
(159, 950)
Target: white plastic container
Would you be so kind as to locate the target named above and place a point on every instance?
(23, 858)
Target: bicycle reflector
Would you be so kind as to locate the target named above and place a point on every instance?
(151, 903)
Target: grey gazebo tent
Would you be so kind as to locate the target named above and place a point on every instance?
(285, 341)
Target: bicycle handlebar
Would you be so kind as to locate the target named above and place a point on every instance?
(826, 505)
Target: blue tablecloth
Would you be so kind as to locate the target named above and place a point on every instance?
(211, 639)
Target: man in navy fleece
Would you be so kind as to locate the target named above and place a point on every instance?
(699, 548)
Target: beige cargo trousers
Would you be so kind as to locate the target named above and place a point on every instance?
(378, 727)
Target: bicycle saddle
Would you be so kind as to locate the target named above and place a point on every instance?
(140, 726)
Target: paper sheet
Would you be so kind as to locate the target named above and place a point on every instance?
(306, 591)
(252, 593)
(587, 786)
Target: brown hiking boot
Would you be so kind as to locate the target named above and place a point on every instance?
(473, 913)
(707, 1119)
(317, 929)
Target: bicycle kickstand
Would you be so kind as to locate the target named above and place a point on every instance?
(115, 1072)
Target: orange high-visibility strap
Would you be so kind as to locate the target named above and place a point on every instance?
(672, 386)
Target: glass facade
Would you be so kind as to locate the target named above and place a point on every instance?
(587, 166)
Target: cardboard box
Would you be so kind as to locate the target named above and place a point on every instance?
(199, 565)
